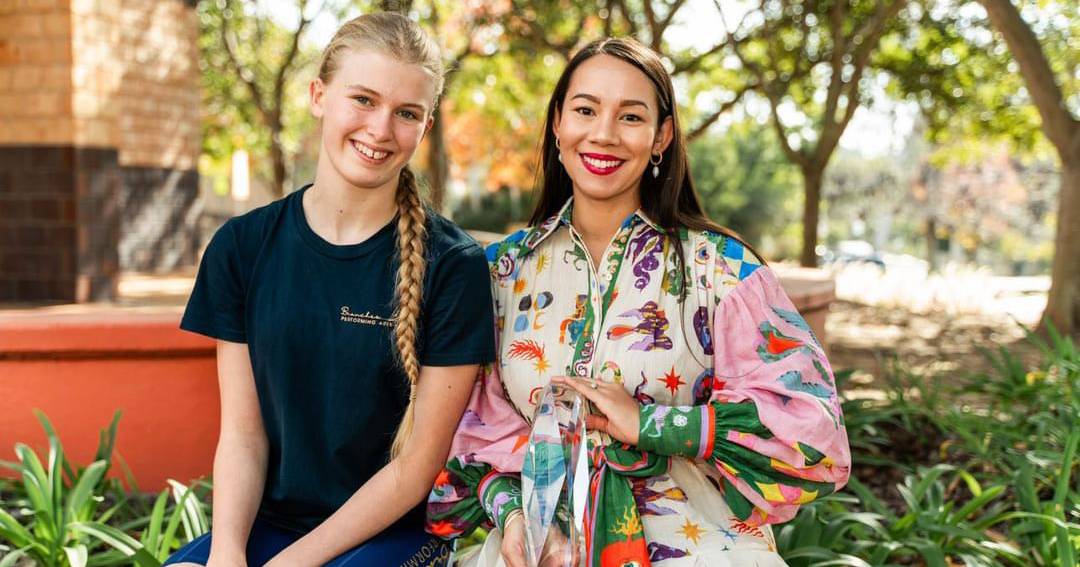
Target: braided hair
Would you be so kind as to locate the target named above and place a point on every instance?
(408, 292)
(401, 38)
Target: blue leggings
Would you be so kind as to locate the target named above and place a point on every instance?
(397, 546)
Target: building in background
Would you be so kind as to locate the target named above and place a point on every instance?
(99, 141)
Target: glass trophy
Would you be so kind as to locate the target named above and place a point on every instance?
(555, 480)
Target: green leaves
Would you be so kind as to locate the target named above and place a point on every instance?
(60, 522)
(1005, 493)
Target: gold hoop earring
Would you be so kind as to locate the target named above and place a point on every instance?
(656, 164)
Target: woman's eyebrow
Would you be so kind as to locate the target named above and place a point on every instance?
(596, 100)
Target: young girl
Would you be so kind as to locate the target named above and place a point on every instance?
(716, 410)
(350, 323)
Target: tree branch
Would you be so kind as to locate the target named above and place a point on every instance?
(290, 55)
(695, 62)
(628, 17)
(609, 21)
(1058, 122)
(704, 125)
(836, 64)
(796, 156)
(245, 75)
(666, 22)
(831, 129)
(650, 18)
(869, 34)
(768, 88)
(537, 34)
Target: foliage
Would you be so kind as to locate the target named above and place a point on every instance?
(742, 178)
(254, 83)
(494, 211)
(57, 518)
(979, 471)
(494, 115)
(746, 184)
(965, 80)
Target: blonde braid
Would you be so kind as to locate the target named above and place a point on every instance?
(412, 233)
(398, 36)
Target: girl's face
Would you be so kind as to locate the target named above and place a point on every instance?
(374, 111)
(607, 129)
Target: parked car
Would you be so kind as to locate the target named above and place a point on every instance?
(850, 252)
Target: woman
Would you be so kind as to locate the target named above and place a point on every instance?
(715, 409)
(344, 313)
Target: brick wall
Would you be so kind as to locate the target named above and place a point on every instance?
(159, 229)
(35, 72)
(58, 222)
(159, 90)
(99, 137)
(159, 135)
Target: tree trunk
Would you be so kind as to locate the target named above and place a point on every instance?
(1063, 301)
(438, 165)
(277, 161)
(812, 176)
(1063, 131)
(931, 244)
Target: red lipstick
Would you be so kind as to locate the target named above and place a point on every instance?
(601, 164)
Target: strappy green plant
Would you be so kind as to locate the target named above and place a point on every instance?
(58, 520)
(61, 521)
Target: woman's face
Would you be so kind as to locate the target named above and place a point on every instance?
(375, 111)
(607, 129)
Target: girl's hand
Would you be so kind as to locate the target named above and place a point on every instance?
(513, 546)
(222, 559)
(555, 550)
(619, 410)
(513, 542)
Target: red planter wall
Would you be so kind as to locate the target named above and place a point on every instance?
(79, 368)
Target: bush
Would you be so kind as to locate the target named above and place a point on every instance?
(67, 516)
(975, 472)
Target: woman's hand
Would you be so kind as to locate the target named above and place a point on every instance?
(619, 410)
(513, 542)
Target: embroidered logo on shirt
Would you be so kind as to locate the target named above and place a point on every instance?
(365, 318)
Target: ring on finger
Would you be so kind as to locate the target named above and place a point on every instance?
(594, 384)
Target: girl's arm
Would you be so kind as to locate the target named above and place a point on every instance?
(480, 485)
(240, 460)
(441, 395)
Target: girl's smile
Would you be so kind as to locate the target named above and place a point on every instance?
(369, 154)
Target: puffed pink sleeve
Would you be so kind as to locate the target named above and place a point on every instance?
(773, 427)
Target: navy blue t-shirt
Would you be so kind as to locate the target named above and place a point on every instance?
(317, 319)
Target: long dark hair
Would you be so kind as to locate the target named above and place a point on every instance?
(669, 199)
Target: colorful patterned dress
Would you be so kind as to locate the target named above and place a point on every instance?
(740, 421)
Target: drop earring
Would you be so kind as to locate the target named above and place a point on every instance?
(656, 164)
(558, 150)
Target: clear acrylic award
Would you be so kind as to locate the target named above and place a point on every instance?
(555, 480)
